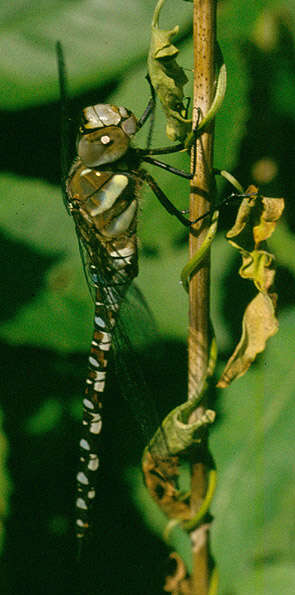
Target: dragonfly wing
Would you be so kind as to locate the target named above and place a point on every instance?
(66, 132)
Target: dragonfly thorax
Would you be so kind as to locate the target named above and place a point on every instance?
(105, 134)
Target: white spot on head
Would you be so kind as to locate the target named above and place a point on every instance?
(80, 503)
(105, 139)
(81, 478)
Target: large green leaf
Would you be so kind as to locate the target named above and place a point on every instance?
(48, 300)
(161, 236)
(254, 449)
(101, 41)
(274, 579)
(56, 309)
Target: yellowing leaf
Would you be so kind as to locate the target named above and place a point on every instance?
(178, 582)
(256, 266)
(243, 213)
(259, 324)
(256, 219)
(272, 210)
(255, 222)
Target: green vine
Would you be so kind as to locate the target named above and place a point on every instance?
(168, 80)
(178, 437)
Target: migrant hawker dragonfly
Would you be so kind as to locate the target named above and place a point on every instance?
(101, 193)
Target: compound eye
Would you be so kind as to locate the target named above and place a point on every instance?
(102, 146)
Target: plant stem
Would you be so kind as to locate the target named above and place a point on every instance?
(202, 193)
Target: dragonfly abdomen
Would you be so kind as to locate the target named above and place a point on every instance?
(107, 305)
(104, 206)
(92, 421)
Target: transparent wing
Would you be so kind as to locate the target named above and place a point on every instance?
(86, 262)
(66, 133)
(98, 269)
(135, 327)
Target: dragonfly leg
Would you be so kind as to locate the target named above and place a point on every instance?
(147, 113)
(170, 168)
(145, 156)
(225, 202)
(150, 106)
(164, 200)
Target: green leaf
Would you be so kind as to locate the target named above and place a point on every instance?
(254, 448)
(46, 419)
(277, 578)
(236, 23)
(44, 259)
(154, 517)
(101, 41)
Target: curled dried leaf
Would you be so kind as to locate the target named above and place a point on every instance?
(259, 324)
(177, 435)
(162, 458)
(161, 481)
(244, 212)
(256, 220)
(272, 209)
(257, 266)
(177, 583)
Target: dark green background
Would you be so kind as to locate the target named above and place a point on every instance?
(46, 310)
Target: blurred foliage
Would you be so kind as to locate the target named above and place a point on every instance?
(46, 310)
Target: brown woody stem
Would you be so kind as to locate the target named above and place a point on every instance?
(202, 194)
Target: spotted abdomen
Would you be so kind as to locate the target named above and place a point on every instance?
(104, 206)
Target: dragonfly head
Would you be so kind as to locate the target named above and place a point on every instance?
(105, 134)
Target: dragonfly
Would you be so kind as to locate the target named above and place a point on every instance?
(101, 193)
